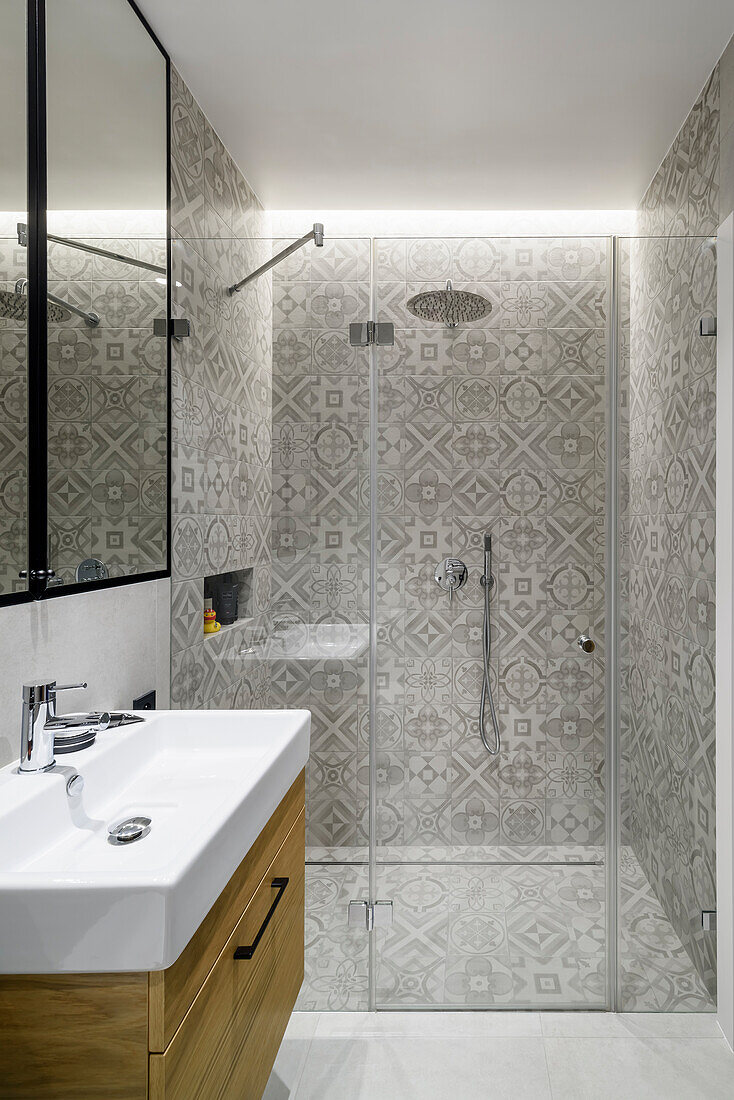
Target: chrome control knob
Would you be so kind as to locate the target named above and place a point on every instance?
(585, 643)
(451, 574)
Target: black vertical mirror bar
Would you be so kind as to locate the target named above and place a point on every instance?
(37, 317)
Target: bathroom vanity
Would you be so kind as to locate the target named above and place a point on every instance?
(151, 1016)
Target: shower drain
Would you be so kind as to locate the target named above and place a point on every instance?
(129, 830)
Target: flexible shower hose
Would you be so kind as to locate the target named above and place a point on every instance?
(487, 582)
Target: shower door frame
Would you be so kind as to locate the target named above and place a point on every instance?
(725, 628)
(611, 651)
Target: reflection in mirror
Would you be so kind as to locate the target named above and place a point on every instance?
(13, 333)
(107, 224)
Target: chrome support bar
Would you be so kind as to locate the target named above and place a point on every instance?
(316, 235)
(82, 247)
(90, 319)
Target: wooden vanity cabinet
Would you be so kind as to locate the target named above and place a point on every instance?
(207, 1028)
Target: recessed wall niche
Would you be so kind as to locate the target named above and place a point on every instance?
(231, 596)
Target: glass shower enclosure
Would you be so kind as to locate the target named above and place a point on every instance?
(486, 881)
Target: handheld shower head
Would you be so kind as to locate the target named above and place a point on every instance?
(487, 699)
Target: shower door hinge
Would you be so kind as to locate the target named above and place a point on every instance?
(708, 920)
(361, 334)
(177, 327)
(707, 325)
(369, 915)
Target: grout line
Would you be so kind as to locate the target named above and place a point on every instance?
(299, 1078)
(547, 1066)
(304, 1061)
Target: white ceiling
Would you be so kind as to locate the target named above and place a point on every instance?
(445, 104)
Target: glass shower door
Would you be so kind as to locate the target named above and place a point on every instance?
(667, 730)
(495, 864)
(319, 602)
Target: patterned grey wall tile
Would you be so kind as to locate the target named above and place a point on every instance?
(523, 398)
(293, 305)
(339, 398)
(576, 304)
(187, 609)
(524, 305)
(527, 444)
(472, 351)
(187, 677)
(341, 260)
(576, 351)
(522, 821)
(523, 491)
(291, 352)
(429, 259)
(573, 821)
(476, 260)
(187, 129)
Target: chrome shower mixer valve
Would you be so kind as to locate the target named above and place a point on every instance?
(451, 574)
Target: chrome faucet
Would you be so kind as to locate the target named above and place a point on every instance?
(39, 723)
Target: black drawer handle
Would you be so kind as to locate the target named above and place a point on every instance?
(278, 884)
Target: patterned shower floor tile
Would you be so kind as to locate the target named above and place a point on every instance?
(489, 927)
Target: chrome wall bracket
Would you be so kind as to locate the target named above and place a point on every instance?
(364, 333)
(369, 915)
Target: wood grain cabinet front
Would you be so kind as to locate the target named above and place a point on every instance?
(228, 1040)
(207, 1028)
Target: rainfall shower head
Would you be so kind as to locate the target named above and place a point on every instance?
(14, 306)
(449, 307)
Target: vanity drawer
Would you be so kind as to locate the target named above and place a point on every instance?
(172, 991)
(227, 1042)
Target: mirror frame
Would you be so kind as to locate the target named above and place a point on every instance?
(37, 330)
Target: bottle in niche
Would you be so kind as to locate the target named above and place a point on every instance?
(227, 602)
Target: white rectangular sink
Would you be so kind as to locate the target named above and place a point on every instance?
(71, 901)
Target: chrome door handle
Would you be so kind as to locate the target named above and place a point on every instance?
(585, 643)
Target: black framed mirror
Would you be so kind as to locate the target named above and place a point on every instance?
(14, 449)
(87, 270)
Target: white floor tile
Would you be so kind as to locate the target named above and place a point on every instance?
(498, 1055)
(426, 1024)
(425, 1069)
(302, 1025)
(640, 1069)
(286, 1074)
(625, 1025)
